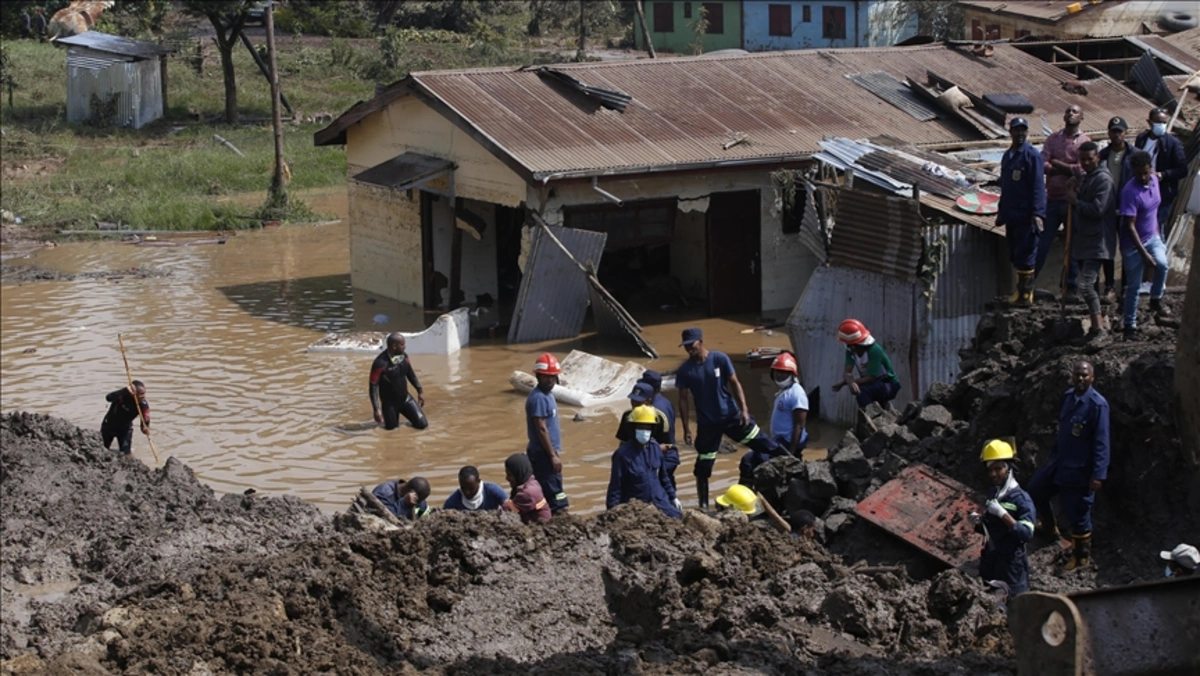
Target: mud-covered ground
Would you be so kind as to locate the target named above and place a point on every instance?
(111, 567)
(32, 273)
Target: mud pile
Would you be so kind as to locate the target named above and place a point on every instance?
(112, 567)
(33, 273)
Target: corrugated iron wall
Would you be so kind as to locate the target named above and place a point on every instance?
(138, 85)
(875, 232)
(553, 299)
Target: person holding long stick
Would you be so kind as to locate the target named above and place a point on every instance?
(122, 411)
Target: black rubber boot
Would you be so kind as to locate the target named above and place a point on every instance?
(702, 493)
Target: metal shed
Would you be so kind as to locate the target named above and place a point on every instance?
(103, 68)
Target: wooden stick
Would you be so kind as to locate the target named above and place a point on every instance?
(137, 402)
(776, 520)
(1182, 98)
(227, 144)
(1066, 271)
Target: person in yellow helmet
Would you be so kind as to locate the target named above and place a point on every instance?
(637, 468)
(1007, 521)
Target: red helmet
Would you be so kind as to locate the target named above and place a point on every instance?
(785, 362)
(852, 332)
(547, 365)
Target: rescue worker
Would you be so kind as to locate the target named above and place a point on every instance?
(122, 411)
(1141, 241)
(1167, 158)
(1181, 561)
(708, 377)
(788, 416)
(803, 523)
(876, 379)
(642, 395)
(1007, 522)
(526, 498)
(1022, 206)
(637, 467)
(474, 495)
(390, 374)
(1094, 239)
(545, 437)
(405, 499)
(670, 450)
(1078, 464)
(1060, 157)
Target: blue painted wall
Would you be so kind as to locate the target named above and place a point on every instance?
(868, 24)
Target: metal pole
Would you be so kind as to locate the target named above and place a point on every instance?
(136, 402)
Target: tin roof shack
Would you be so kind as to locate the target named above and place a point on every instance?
(671, 158)
(1068, 19)
(116, 78)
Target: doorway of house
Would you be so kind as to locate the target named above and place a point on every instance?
(734, 253)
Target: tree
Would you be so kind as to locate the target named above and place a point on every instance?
(934, 18)
(227, 17)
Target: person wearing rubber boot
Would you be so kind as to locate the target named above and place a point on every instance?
(1078, 464)
(1022, 207)
(1007, 521)
(788, 417)
(391, 372)
(1094, 240)
(642, 395)
(708, 378)
(637, 467)
(545, 437)
(876, 379)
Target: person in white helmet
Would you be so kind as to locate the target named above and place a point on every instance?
(1181, 561)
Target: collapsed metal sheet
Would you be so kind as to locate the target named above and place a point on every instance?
(612, 320)
(553, 298)
(895, 92)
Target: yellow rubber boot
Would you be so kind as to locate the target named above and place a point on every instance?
(1081, 552)
(1027, 292)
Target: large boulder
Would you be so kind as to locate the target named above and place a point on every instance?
(930, 420)
(851, 470)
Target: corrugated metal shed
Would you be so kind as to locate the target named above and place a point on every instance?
(877, 233)
(136, 86)
(685, 111)
(553, 298)
(115, 44)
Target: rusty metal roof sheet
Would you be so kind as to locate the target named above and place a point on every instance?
(896, 93)
(1177, 53)
(1042, 10)
(115, 44)
(404, 170)
(877, 233)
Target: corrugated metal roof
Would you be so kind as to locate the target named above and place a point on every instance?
(403, 170)
(1145, 73)
(877, 233)
(685, 111)
(1175, 51)
(896, 93)
(553, 299)
(115, 44)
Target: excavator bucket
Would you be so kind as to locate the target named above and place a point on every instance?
(928, 510)
(1134, 630)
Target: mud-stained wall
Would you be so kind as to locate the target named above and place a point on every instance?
(385, 242)
(688, 254)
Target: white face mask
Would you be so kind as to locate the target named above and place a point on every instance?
(475, 502)
(1158, 128)
(784, 384)
(643, 436)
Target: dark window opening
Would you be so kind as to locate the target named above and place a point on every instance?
(1023, 33)
(793, 214)
(715, 15)
(806, 14)
(834, 20)
(993, 31)
(976, 29)
(664, 17)
(629, 225)
(779, 19)
(687, 10)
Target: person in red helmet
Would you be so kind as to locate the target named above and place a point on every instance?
(545, 437)
(876, 379)
(788, 418)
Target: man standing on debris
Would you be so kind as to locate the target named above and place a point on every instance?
(1060, 156)
(1007, 523)
(545, 437)
(390, 374)
(1141, 242)
(788, 417)
(637, 467)
(708, 377)
(122, 411)
(1022, 206)
(1168, 160)
(1115, 156)
(405, 499)
(1078, 464)
(876, 379)
(1095, 238)
(642, 395)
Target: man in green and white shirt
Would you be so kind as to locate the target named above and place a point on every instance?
(876, 379)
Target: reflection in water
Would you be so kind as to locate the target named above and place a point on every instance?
(221, 346)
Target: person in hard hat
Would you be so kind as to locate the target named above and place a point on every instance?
(123, 405)
(876, 379)
(788, 417)
(1007, 521)
(708, 378)
(637, 472)
(1181, 561)
(474, 495)
(405, 499)
(545, 437)
(1022, 207)
(670, 450)
(642, 395)
(1078, 464)
(526, 499)
(391, 372)
(742, 499)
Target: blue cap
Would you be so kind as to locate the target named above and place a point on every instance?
(641, 393)
(651, 378)
(1018, 122)
(690, 336)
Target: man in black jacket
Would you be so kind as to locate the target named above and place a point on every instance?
(1169, 161)
(122, 411)
(1095, 236)
(390, 374)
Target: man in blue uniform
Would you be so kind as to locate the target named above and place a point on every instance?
(1078, 464)
(1022, 206)
(1007, 522)
(545, 437)
(405, 499)
(637, 468)
(642, 395)
(708, 377)
(670, 450)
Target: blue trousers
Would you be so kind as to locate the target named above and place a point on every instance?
(671, 463)
(1022, 240)
(1056, 216)
(1010, 567)
(551, 483)
(881, 391)
(1134, 266)
(708, 442)
(1076, 501)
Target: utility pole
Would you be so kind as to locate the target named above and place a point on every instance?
(641, 13)
(277, 195)
(582, 53)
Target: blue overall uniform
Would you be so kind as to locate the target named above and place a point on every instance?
(1080, 454)
(541, 404)
(1022, 196)
(717, 413)
(389, 494)
(663, 433)
(637, 475)
(670, 451)
(1004, 556)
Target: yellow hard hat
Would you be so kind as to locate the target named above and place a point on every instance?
(997, 450)
(643, 415)
(741, 498)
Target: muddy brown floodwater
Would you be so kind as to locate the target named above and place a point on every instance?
(220, 342)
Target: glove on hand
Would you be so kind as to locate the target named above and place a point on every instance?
(678, 504)
(994, 508)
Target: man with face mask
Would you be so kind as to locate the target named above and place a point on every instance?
(642, 395)
(545, 437)
(1007, 521)
(637, 468)
(1168, 160)
(1181, 561)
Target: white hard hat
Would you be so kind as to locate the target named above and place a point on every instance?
(1184, 555)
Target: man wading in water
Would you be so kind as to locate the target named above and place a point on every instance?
(390, 374)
